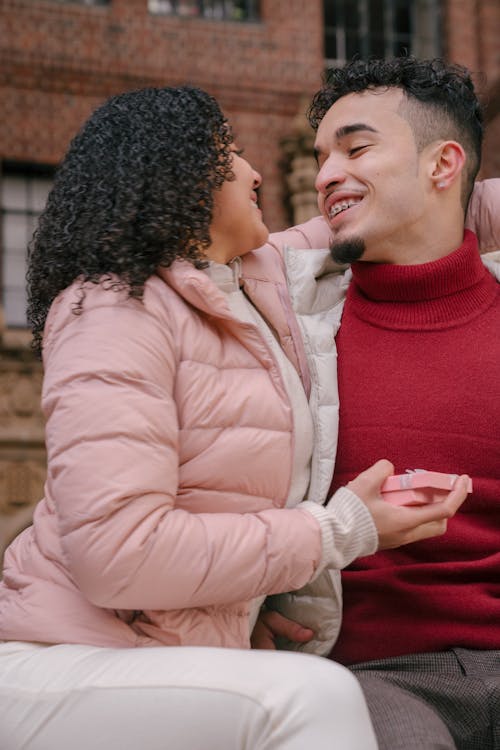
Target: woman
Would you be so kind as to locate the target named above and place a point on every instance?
(177, 431)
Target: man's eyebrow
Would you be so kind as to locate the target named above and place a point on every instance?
(354, 128)
(346, 130)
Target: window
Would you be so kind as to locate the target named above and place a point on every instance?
(24, 190)
(380, 28)
(84, 2)
(219, 10)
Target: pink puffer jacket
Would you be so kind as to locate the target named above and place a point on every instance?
(169, 439)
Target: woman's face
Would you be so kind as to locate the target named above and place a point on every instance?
(237, 226)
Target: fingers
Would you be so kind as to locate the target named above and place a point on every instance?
(442, 509)
(271, 625)
(399, 525)
(458, 494)
(418, 533)
(261, 638)
(282, 626)
(369, 481)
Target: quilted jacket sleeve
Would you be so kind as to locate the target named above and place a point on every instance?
(483, 216)
(314, 233)
(112, 442)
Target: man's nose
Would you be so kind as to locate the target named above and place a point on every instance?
(331, 173)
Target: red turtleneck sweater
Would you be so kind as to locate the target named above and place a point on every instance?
(419, 381)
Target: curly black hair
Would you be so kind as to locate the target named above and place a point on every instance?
(440, 101)
(134, 192)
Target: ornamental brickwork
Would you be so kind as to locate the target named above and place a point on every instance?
(22, 450)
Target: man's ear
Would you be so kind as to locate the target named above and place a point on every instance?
(446, 164)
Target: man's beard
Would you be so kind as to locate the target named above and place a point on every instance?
(347, 251)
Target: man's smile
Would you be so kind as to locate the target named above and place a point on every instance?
(338, 203)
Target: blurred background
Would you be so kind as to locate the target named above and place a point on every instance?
(262, 59)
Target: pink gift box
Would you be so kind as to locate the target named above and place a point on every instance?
(418, 487)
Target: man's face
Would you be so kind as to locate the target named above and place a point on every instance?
(371, 183)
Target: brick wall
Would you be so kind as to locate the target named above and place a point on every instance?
(58, 61)
(472, 34)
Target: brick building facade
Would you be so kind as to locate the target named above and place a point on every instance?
(59, 60)
(62, 59)
(471, 36)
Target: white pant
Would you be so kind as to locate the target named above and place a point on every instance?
(88, 698)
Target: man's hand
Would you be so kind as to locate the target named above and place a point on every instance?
(403, 525)
(271, 624)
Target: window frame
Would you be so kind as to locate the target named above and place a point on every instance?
(424, 36)
(251, 6)
(87, 3)
(29, 172)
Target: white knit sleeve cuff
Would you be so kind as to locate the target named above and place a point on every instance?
(347, 529)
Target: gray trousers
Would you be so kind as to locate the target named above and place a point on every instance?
(439, 701)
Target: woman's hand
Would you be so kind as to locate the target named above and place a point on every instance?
(405, 524)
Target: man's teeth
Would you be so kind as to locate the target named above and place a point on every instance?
(343, 205)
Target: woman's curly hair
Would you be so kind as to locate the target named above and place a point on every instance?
(134, 192)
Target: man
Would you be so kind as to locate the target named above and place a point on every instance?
(398, 146)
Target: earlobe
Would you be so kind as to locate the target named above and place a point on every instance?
(449, 161)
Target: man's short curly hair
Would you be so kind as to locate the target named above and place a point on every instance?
(134, 191)
(439, 101)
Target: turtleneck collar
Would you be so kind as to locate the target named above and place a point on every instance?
(438, 294)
